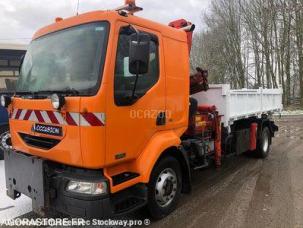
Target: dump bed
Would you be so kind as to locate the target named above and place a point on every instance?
(241, 104)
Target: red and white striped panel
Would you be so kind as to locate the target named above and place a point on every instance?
(51, 117)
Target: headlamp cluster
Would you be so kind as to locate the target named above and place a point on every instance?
(57, 101)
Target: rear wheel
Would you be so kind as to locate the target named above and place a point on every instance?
(164, 188)
(263, 146)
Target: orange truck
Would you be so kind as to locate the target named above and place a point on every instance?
(103, 122)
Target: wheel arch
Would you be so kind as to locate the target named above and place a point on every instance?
(164, 144)
(265, 122)
(180, 155)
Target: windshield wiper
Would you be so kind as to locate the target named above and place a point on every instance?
(44, 93)
(26, 93)
(67, 91)
(72, 91)
(29, 94)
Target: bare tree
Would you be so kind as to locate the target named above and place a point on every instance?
(253, 43)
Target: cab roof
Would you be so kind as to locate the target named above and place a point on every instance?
(112, 16)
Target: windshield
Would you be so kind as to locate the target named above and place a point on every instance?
(68, 60)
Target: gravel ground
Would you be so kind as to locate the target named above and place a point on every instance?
(245, 192)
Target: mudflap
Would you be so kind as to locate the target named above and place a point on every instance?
(25, 175)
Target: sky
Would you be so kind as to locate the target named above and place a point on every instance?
(19, 19)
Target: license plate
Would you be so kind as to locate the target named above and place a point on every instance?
(47, 129)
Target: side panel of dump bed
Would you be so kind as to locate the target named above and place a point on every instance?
(241, 104)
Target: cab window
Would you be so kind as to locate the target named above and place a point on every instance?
(124, 80)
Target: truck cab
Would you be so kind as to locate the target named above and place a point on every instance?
(80, 111)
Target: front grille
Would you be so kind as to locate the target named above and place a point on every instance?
(39, 142)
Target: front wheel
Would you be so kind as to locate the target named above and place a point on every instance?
(5, 143)
(164, 188)
(264, 143)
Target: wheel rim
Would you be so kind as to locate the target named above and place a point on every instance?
(265, 142)
(166, 187)
(6, 141)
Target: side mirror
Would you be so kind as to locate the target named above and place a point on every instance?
(139, 52)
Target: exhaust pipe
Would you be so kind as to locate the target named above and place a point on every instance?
(189, 28)
(186, 26)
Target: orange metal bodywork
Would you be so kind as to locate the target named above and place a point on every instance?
(140, 139)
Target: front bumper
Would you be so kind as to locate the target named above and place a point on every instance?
(45, 183)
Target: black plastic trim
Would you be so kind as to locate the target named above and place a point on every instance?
(39, 142)
(123, 177)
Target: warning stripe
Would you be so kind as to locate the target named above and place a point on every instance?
(18, 113)
(27, 114)
(92, 119)
(51, 117)
(70, 120)
(39, 116)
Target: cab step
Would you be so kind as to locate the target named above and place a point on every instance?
(130, 199)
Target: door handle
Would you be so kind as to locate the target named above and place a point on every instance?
(161, 119)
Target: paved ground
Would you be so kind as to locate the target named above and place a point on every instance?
(9, 208)
(246, 192)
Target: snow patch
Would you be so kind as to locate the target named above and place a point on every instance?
(290, 113)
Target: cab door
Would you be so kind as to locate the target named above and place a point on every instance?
(129, 127)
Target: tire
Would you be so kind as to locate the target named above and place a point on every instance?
(5, 143)
(166, 175)
(263, 144)
(3, 129)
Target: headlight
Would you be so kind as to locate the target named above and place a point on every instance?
(5, 101)
(89, 188)
(57, 101)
